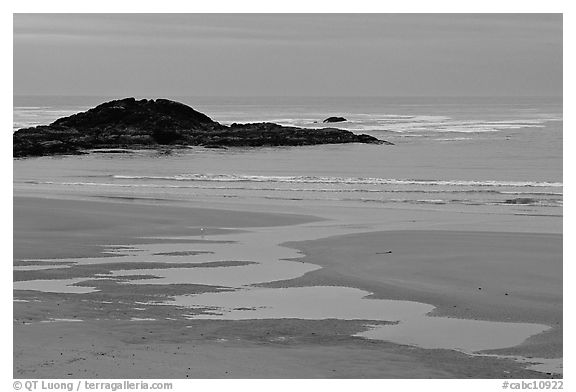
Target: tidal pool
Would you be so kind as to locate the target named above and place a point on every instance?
(271, 262)
(412, 324)
(234, 276)
(468, 336)
(37, 267)
(54, 286)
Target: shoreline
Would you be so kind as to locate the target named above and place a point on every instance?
(31, 308)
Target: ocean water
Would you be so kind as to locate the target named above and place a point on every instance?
(480, 155)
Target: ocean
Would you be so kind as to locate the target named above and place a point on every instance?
(478, 155)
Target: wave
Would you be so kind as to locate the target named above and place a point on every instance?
(320, 190)
(514, 202)
(430, 124)
(478, 197)
(469, 202)
(341, 180)
(453, 139)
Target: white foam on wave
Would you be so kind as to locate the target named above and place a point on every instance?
(428, 124)
(320, 190)
(340, 180)
(453, 139)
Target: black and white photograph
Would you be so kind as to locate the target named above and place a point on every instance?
(287, 196)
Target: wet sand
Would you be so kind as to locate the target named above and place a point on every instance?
(234, 349)
(512, 277)
(63, 228)
(122, 335)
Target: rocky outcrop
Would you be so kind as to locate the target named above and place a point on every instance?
(334, 119)
(131, 123)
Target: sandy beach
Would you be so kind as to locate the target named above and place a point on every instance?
(471, 275)
(117, 328)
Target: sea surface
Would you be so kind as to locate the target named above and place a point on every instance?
(485, 155)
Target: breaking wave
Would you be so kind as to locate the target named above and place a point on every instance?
(341, 180)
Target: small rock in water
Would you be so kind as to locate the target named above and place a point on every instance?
(334, 119)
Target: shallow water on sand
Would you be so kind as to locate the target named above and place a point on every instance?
(411, 324)
(311, 303)
(37, 267)
(54, 286)
(234, 276)
(457, 334)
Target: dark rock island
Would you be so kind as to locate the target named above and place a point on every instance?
(131, 123)
(334, 119)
